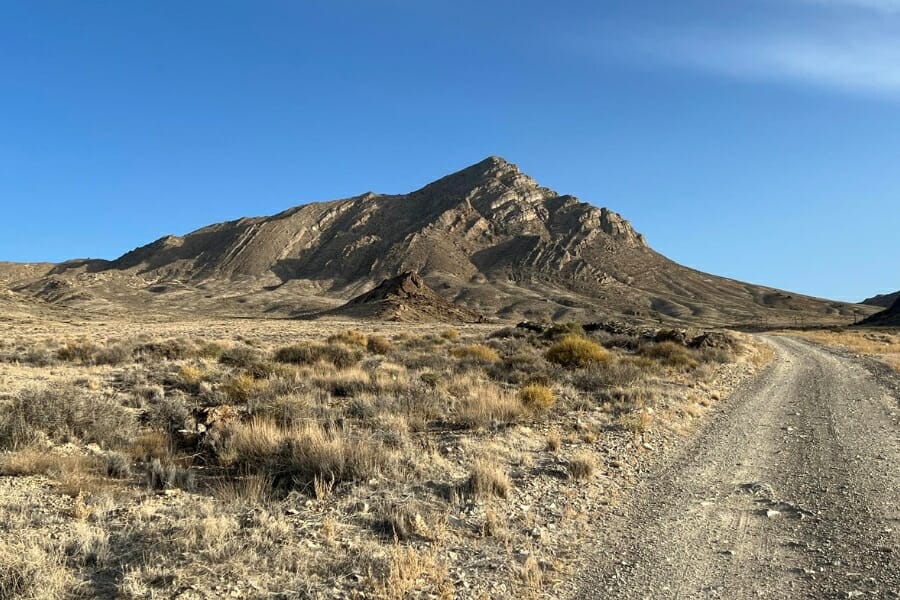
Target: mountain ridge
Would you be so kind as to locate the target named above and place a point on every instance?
(487, 237)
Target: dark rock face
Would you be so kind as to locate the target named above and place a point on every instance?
(889, 317)
(883, 300)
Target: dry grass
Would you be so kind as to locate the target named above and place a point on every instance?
(29, 571)
(883, 345)
(41, 462)
(310, 353)
(350, 338)
(299, 457)
(482, 404)
(409, 572)
(478, 353)
(378, 344)
(350, 465)
(62, 413)
(487, 479)
(670, 354)
(244, 387)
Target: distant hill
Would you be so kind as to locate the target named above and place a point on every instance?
(890, 317)
(882, 300)
(488, 238)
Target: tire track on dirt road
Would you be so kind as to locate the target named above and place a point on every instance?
(791, 491)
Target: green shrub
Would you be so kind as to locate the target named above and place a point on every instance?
(574, 351)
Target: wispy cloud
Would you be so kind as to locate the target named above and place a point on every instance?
(867, 64)
(890, 6)
(851, 51)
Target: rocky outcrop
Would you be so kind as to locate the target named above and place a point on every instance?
(405, 298)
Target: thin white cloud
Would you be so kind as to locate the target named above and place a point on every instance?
(863, 64)
(889, 6)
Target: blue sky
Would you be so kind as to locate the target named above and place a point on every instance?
(757, 139)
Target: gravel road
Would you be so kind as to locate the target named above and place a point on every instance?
(791, 491)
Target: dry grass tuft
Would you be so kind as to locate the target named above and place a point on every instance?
(639, 422)
(486, 479)
(670, 354)
(244, 387)
(298, 457)
(350, 338)
(482, 404)
(251, 490)
(407, 571)
(31, 572)
(190, 376)
(582, 466)
(166, 475)
(532, 574)
(378, 344)
(40, 462)
(553, 442)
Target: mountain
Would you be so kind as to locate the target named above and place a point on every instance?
(882, 300)
(405, 298)
(489, 238)
(889, 317)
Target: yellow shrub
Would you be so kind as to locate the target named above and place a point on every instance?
(574, 351)
(537, 397)
(244, 387)
(190, 375)
(476, 352)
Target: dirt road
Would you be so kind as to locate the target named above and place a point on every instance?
(791, 491)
